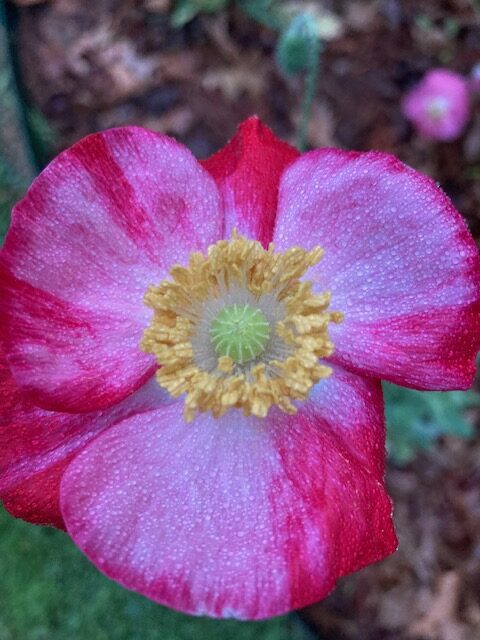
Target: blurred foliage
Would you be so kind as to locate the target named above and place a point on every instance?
(41, 136)
(270, 13)
(278, 15)
(273, 14)
(299, 25)
(50, 591)
(187, 10)
(299, 46)
(11, 190)
(416, 419)
(450, 25)
(17, 163)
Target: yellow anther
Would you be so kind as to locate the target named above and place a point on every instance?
(286, 367)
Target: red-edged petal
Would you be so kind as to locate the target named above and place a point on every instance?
(247, 171)
(237, 517)
(105, 219)
(36, 446)
(399, 261)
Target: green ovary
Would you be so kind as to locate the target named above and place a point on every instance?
(240, 332)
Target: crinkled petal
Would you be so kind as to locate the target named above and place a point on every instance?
(105, 219)
(247, 171)
(237, 517)
(399, 261)
(36, 446)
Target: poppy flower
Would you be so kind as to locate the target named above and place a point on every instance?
(193, 355)
(439, 106)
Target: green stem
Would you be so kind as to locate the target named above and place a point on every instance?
(311, 81)
(15, 147)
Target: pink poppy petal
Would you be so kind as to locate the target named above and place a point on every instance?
(237, 517)
(247, 171)
(36, 446)
(399, 261)
(106, 218)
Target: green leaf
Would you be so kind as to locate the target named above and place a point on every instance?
(42, 136)
(416, 419)
(270, 13)
(49, 591)
(424, 22)
(11, 189)
(17, 162)
(186, 10)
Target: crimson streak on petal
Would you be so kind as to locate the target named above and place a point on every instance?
(237, 516)
(36, 446)
(399, 261)
(105, 219)
(247, 172)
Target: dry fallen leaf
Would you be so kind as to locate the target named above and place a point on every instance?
(176, 122)
(440, 619)
(233, 81)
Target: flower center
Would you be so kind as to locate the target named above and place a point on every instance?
(238, 328)
(437, 107)
(240, 332)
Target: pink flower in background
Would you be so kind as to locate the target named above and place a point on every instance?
(439, 106)
(275, 488)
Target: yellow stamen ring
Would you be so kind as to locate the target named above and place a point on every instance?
(240, 273)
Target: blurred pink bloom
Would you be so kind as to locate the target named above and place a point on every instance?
(439, 105)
